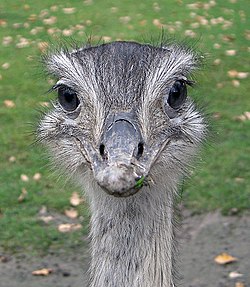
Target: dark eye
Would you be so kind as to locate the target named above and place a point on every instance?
(68, 98)
(177, 94)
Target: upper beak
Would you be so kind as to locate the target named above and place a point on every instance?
(118, 170)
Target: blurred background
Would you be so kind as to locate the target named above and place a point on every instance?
(39, 212)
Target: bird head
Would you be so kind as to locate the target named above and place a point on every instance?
(123, 114)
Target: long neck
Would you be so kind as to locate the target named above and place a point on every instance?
(132, 240)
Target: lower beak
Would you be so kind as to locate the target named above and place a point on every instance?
(120, 149)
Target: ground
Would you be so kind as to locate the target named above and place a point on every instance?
(202, 237)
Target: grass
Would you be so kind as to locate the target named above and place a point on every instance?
(221, 181)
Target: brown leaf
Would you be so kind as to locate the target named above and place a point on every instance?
(4, 259)
(236, 83)
(234, 274)
(69, 10)
(44, 104)
(46, 219)
(37, 176)
(239, 179)
(75, 199)
(230, 52)
(67, 32)
(69, 227)
(12, 159)
(24, 177)
(242, 75)
(232, 73)
(217, 62)
(23, 195)
(224, 258)
(3, 23)
(245, 116)
(5, 66)
(239, 284)
(7, 40)
(43, 210)
(9, 104)
(43, 46)
(42, 272)
(217, 115)
(71, 213)
(23, 42)
(50, 21)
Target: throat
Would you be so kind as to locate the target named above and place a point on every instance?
(132, 241)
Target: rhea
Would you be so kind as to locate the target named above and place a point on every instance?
(124, 128)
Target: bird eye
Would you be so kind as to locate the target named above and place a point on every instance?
(68, 98)
(177, 94)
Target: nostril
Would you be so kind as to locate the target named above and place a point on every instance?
(102, 150)
(140, 150)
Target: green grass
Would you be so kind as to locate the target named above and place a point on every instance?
(221, 181)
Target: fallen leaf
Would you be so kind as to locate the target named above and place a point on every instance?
(217, 115)
(75, 199)
(46, 219)
(42, 272)
(245, 116)
(232, 73)
(32, 18)
(156, 7)
(236, 74)
(230, 52)
(43, 46)
(217, 62)
(6, 66)
(44, 104)
(224, 258)
(37, 176)
(239, 179)
(17, 25)
(71, 213)
(43, 210)
(114, 9)
(7, 40)
(67, 32)
(236, 83)
(125, 19)
(190, 33)
(3, 23)
(69, 227)
(54, 8)
(242, 75)
(50, 21)
(23, 195)
(23, 42)
(26, 25)
(9, 104)
(217, 46)
(234, 274)
(4, 259)
(228, 38)
(239, 284)
(106, 38)
(12, 159)
(24, 177)
(69, 10)
(233, 211)
(219, 85)
(26, 7)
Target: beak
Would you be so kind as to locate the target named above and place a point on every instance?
(118, 171)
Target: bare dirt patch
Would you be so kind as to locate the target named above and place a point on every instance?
(202, 237)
